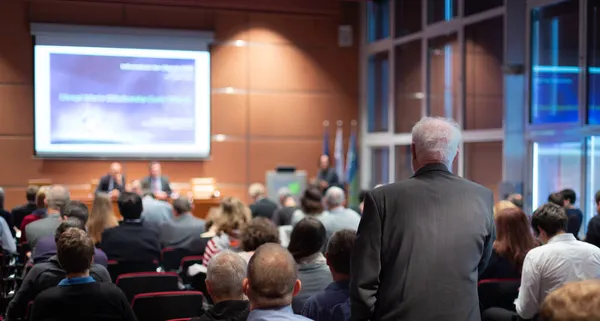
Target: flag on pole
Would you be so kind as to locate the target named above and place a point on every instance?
(351, 175)
(339, 154)
(326, 141)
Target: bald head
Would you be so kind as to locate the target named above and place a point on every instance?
(225, 275)
(272, 278)
(435, 140)
(115, 168)
(57, 198)
(136, 187)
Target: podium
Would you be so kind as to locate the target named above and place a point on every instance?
(294, 181)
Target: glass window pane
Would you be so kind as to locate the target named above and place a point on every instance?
(378, 20)
(475, 6)
(593, 179)
(483, 164)
(408, 87)
(554, 63)
(441, 10)
(380, 166)
(444, 76)
(378, 92)
(484, 78)
(594, 61)
(408, 17)
(556, 166)
(403, 161)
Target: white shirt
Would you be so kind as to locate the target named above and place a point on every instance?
(548, 267)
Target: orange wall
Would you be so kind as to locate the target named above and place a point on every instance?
(289, 79)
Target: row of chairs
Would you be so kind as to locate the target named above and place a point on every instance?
(498, 293)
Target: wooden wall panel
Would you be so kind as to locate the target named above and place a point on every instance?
(304, 154)
(16, 56)
(165, 17)
(76, 12)
(229, 114)
(16, 105)
(229, 66)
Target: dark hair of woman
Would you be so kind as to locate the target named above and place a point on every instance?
(312, 201)
(308, 237)
(513, 235)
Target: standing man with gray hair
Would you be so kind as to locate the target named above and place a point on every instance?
(57, 199)
(422, 242)
(339, 217)
(225, 275)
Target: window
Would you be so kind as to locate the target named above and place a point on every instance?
(556, 166)
(483, 164)
(475, 6)
(408, 17)
(378, 92)
(484, 77)
(378, 20)
(444, 76)
(593, 178)
(408, 89)
(441, 10)
(593, 62)
(380, 166)
(403, 162)
(555, 63)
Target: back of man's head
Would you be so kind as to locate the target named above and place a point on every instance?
(577, 301)
(436, 140)
(71, 222)
(549, 218)
(57, 198)
(224, 277)
(516, 199)
(130, 205)
(272, 278)
(182, 205)
(77, 210)
(75, 250)
(335, 197)
(31, 193)
(339, 251)
(569, 195)
(556, 198)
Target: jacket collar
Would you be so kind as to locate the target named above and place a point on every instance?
(434, 167)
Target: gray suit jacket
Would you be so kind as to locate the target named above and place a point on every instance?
(164, 184)
(181, 231)
(41, 228)
(421, 244)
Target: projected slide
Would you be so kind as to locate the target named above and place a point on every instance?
(110, 102)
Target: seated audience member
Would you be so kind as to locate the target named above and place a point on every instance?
(516, 199)
(339, 217)
(261, 206)
(156, 183)
(75, 214)
(513, 241)
(283, 215)
(78, 296)
(113, 183)
(593, 232)
(271, 283)
(574, 214)
(131, 241)
(562, 259)
(198, 244)
(19, 212)
(37, 214)
(320, 306)
(233, 217)
(361, 199)
(260, 231)
(577, 301)
(311, 204)
(224, 277)
(502, 205)
(56, 200)
(183, 228)
(155, 211)
(306, 243)
(6, 215)
(556, 198)
(43, 276)
(101, 218)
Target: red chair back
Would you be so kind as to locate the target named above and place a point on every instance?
(163, 306)
(133, 284)
(498, 293)
(186, 262)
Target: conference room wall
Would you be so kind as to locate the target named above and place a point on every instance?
(270, 95)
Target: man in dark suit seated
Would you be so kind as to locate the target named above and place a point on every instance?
(112, 183)
(131, 241)
(79, 296)
(183, 228)
(262, 206)
(41, 277)
(156, 183)
(19, 212)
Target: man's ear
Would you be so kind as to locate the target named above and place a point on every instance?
(208, 287)
(297, 287)
(246, 286)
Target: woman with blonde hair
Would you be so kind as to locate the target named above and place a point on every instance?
(101, 217)
(233, 216)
